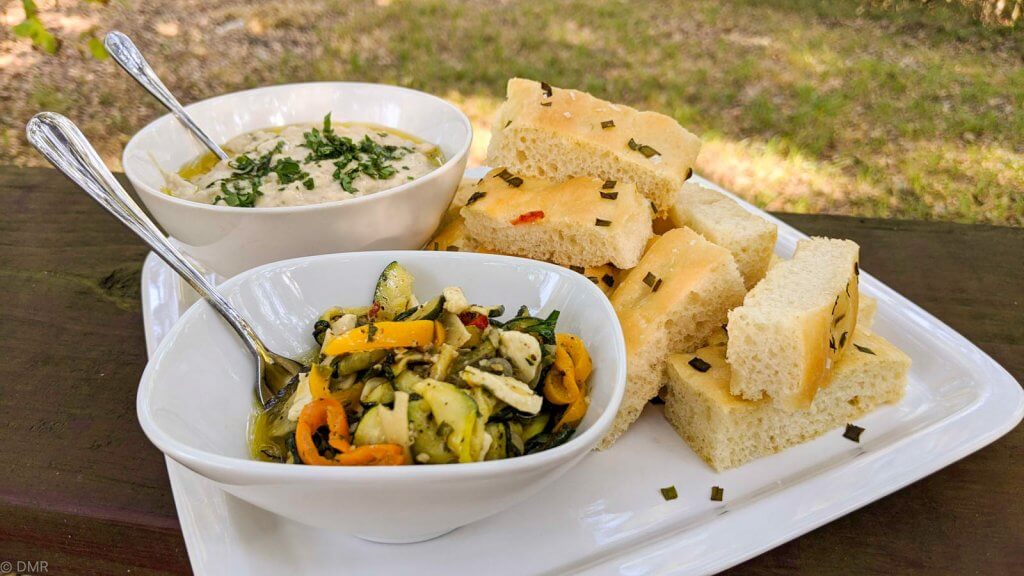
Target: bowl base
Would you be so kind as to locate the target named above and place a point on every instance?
(403, 539)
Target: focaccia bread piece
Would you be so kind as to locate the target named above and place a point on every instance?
(727, 431)
(580, 222)
(795, 324)
(673, 300)
(749, 237)
(867, 306)
(559, 134)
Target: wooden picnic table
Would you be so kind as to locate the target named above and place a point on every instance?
(83, 490)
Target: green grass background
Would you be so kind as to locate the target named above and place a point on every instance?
(898, 110)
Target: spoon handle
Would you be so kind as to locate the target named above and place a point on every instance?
(64, 145)
(134, 63)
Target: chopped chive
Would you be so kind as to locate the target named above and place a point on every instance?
(699, 364)
(547, 89)
(650, 279)
(609, 185)
(509, 178)
(717, 493)
(648, 151)
(578, 269)
(452, 248)
(853, 433)
(865, 349)
(600, 222)
(608, 124)
(608, 279)
(545, 103)
(474, 197)
(308, 183)
(371, 332)
(842, 339)
(632, 144)
(609, 195)
(669, 493)
(656, 285)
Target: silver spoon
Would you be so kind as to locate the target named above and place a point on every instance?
(63, 144)
(124, 52)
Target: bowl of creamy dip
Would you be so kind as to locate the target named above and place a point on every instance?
(313, 168)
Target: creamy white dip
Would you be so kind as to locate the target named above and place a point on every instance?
(277, 167)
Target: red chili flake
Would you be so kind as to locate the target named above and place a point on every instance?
(528, 217)
(473, 319)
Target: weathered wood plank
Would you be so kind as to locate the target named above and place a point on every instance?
(83, 489)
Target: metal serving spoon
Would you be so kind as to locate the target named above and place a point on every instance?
(124, 52)
(64, 145)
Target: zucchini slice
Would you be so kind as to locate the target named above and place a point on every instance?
(393, 293)
(428, 311)
(428, 438)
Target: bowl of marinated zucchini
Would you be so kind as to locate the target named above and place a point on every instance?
(438, 388)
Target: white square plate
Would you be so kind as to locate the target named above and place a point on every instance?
(606, 516)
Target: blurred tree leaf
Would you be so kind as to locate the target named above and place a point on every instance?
(96, 48)
(33, 29)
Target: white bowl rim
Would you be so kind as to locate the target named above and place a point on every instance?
(152, 126)
(276, 472)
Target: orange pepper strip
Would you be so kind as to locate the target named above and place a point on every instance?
(578, 352)
(330, 412)
(577, 410)
(313, 416)
(560, 384)
(412, 334)
(319, 381)
(373, 455)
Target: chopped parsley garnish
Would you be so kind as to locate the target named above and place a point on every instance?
(717, 493)
(242, 187)
(609, 185)
(547, 89)
(601, 222)
(650, 279)
(609, 195)
(352, 159)
(608, 124)
(669, 493)
(853, 433)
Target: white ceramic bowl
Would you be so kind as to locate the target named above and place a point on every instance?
(228, 240)
(196, 395)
